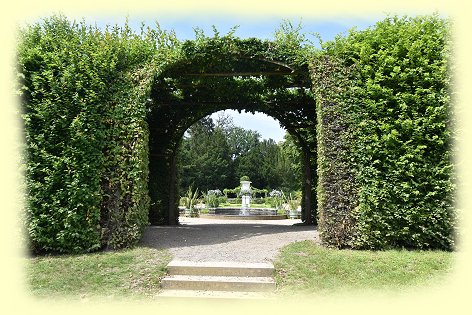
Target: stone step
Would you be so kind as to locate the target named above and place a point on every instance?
(220, 269)
(199, 294)
(218, 283)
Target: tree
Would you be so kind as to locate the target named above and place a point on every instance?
(215, 154)
(205, 159)
(241, 140)
(290, 166)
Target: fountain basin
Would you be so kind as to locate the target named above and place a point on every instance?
(250, 214)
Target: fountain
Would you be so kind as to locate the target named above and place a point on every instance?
(246, 195)
(245, 212)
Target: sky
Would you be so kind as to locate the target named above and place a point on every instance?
(260, 27)
(263, 28)
(268, 127)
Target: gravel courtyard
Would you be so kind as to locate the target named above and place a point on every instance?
(199, 239)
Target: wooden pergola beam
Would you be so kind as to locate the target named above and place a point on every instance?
(238, 74)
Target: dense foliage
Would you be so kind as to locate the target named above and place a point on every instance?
(99, 154)
(205, 158)
(86, 137)
(385, 164)
(210, 74)
(105, 112)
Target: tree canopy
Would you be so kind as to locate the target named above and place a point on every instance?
(216, 154)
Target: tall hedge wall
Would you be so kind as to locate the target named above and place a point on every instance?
(384, 136)
(83, 94)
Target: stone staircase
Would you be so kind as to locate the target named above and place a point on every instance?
(218, 280)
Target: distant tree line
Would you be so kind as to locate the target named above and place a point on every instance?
(215, 154)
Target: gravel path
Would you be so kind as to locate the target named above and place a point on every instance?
(198, 239)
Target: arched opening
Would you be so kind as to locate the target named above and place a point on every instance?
(196, 86)
(220, 149)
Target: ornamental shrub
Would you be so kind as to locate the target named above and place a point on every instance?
(384, 136)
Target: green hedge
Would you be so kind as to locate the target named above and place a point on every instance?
(384, 136)
(90, 99)
(83, 99)
(337, 187)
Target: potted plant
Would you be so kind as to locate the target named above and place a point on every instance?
(245, 192)
(212, 198)
(292, 204)
(276, 198)
(189, 201)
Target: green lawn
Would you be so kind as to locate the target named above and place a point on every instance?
(302, 267)
(305, 267)
(132, 273)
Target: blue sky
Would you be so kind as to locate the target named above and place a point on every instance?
(260, 27)
(267, 126)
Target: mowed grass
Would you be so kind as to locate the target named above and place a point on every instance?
(302, 267)
(305, 267)
(133, 273)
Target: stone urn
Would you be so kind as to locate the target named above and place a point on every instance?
(246, 194)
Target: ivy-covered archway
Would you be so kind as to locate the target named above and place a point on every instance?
(212, 74)
(104, 112)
